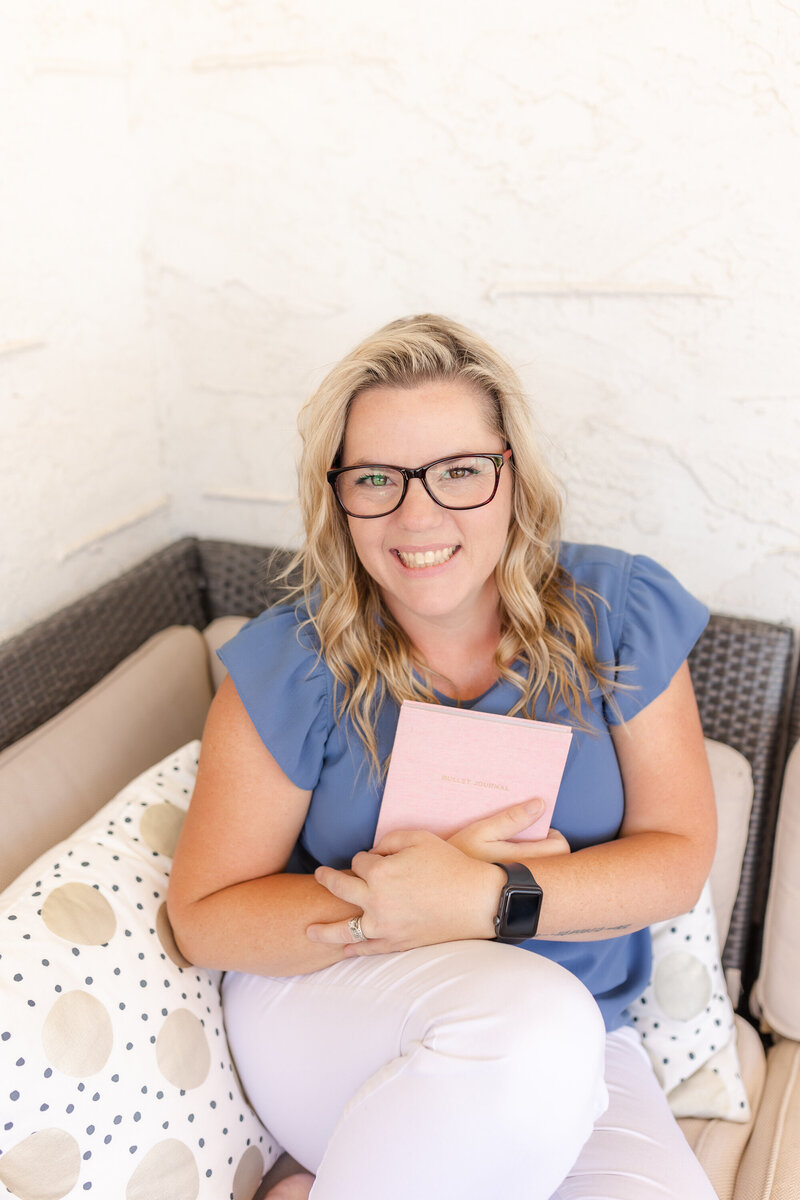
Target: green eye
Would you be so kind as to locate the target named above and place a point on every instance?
(374, 478)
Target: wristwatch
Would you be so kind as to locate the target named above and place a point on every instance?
(520, 904)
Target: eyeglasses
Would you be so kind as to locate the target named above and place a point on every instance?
(459, 481)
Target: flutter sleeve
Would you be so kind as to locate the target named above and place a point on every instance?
(658, 624)
(284, 687)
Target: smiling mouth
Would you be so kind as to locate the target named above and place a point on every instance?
(425, 558)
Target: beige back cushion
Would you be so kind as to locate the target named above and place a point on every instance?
(733, 789)
(778, 986)
(217, 634)
(58, 776)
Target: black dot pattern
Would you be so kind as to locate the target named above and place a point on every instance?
(151, 1072)
(685, 1018)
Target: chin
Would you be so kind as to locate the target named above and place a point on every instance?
(433, 607)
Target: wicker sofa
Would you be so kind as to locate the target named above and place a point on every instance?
(97, 694)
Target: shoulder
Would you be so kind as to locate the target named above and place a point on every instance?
(283, 630)
(285, 687)
(601, 568)
(277, 650)
(631, 592)
(605, 574)
(642, 617)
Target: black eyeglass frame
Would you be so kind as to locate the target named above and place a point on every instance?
(420, 473)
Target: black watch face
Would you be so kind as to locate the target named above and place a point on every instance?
(522, 911)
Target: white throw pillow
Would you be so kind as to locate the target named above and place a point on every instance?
(685, 1018)
(116, 1079)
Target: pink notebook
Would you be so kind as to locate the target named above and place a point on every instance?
(452, 766)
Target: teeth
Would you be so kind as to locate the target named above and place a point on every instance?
(426, 558)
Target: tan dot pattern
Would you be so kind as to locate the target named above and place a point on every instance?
(45, 1166)
(685, 1018)
(682, 985)
(115, 1075)
(705, 1089)
(168, 1171)
(249, 1173)
(160, 827)
(77, 1036)
(79, 913)
(182, 1050)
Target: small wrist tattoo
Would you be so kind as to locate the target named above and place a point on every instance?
(597, 929)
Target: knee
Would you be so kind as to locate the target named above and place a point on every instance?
(516, 1005)
(550, 1015)
(531, 1038)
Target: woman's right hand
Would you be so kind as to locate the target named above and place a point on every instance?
(413, 889)
(416, 889)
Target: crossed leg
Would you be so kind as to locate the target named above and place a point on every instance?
(459, 1069)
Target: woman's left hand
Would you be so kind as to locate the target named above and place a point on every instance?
(488, 839)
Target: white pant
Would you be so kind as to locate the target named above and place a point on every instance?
(465, 1070)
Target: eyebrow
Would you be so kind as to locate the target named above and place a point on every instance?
(377, 462)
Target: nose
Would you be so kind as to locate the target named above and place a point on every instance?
(418, 510)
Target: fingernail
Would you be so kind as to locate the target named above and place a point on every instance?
(534, 807)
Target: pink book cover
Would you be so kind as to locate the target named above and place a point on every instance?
(452, 766)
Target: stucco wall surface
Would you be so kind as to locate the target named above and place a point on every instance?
(205, 204)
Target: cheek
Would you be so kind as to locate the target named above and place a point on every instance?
(500, 522)
(365, 540)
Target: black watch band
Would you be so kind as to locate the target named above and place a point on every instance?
(520, 904)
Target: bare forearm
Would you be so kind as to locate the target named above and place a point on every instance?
(260, 926)
(597, 893)
(617, 887)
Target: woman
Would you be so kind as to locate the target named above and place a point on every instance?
(388, 1041)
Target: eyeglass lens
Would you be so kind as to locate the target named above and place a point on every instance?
(458, 482)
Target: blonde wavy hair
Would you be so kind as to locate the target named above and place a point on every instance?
(543, 627)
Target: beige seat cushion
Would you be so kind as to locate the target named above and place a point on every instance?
(60, 774)
(718, 1144)
(778, 987)
(770, 1168)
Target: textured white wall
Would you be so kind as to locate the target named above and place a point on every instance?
(204, 204)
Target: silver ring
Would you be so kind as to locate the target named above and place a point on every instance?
(354, 925)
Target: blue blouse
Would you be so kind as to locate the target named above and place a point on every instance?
(643, 620)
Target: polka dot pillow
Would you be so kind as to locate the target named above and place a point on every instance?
(115, 1075)
(685, 1018)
